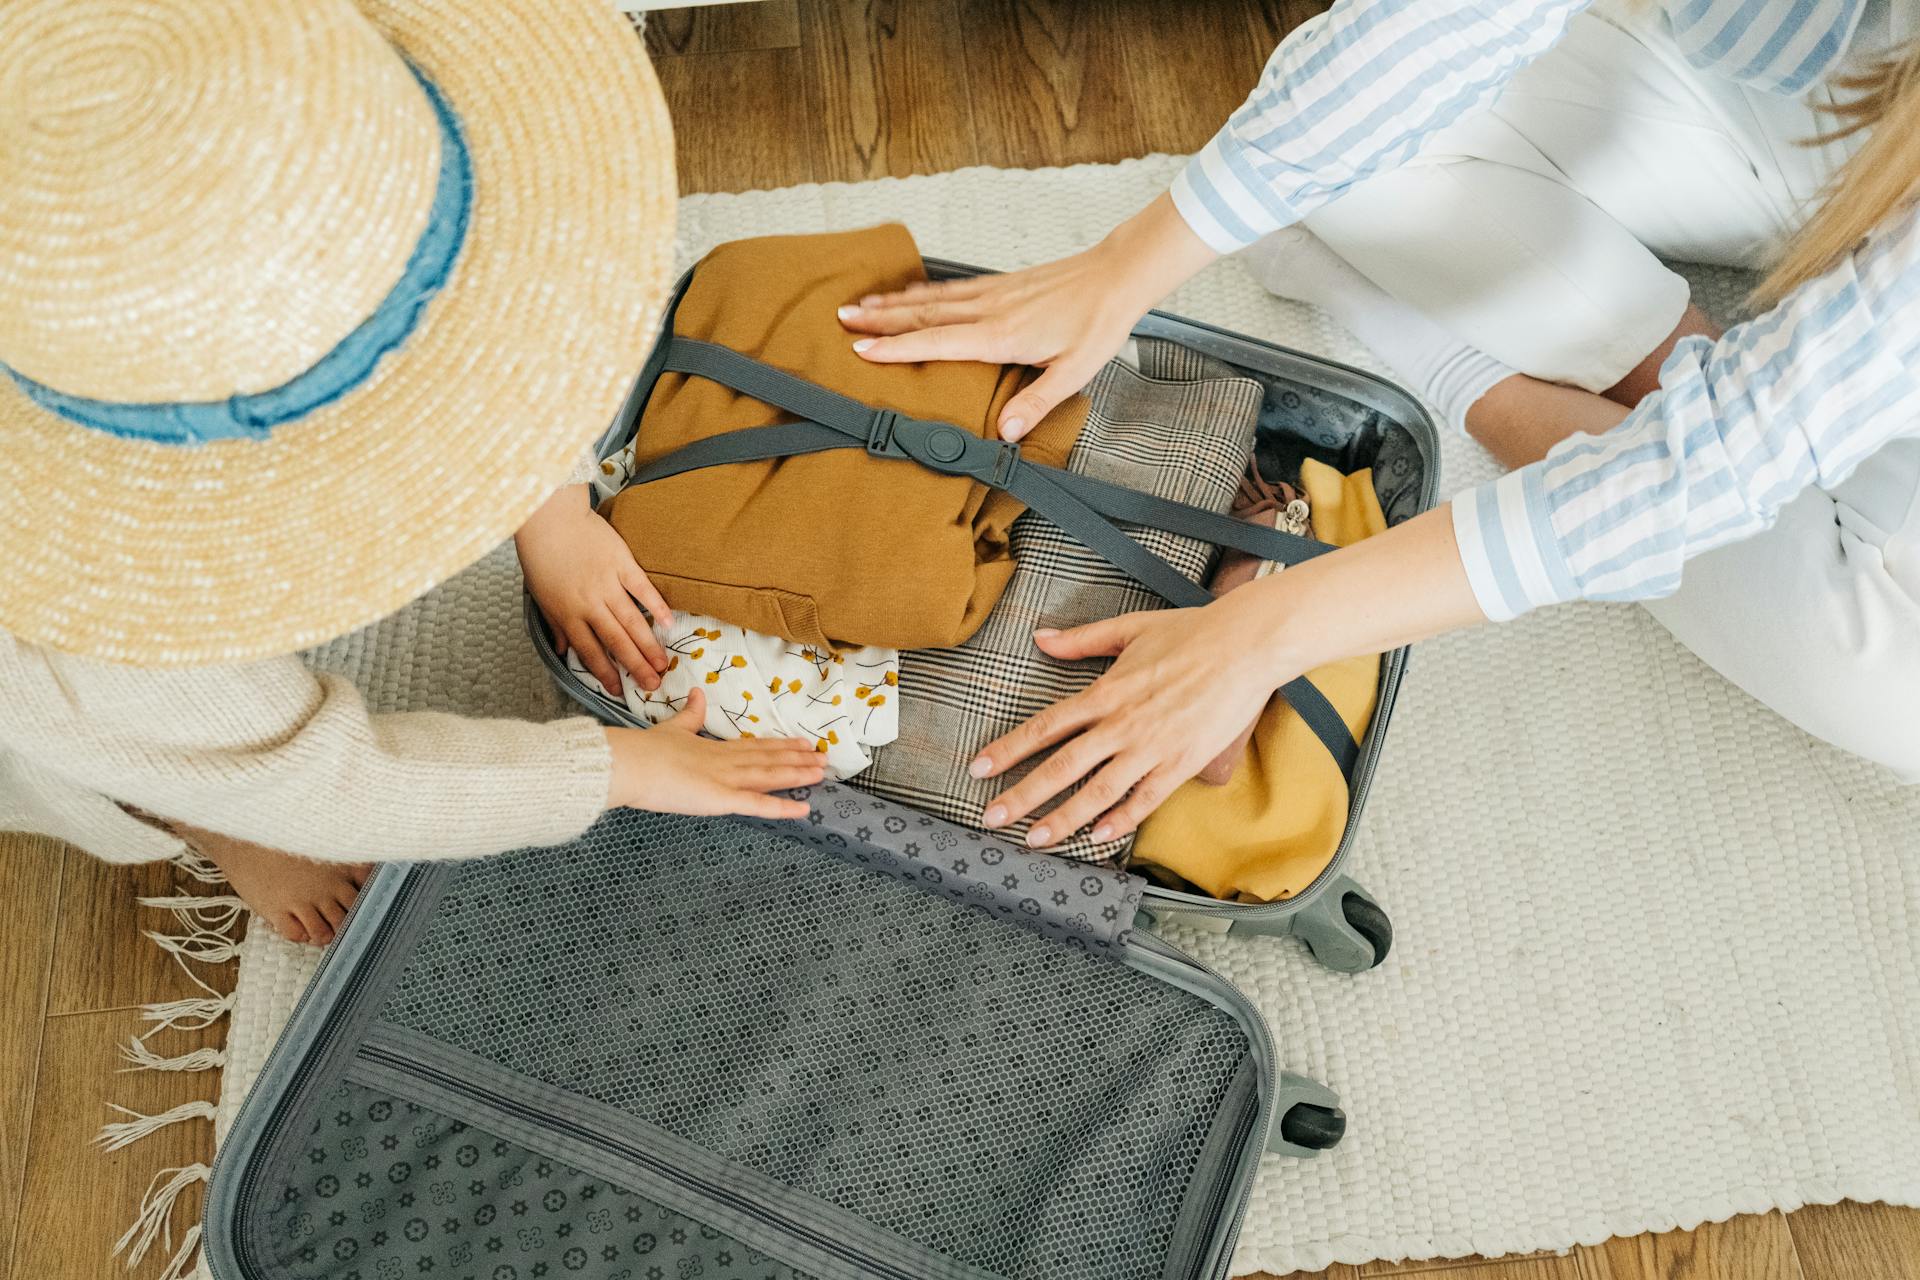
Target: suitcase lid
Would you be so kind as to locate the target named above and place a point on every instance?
(764, 1035)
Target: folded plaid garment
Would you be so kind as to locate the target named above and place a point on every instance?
(1180, 437)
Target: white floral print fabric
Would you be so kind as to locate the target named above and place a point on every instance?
(762, 686)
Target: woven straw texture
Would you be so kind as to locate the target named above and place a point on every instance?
(1652, 941)
(306, 154)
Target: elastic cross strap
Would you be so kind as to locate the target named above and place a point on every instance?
(749, 444)
(818, 404)
(1131, 506)
(1079, 506)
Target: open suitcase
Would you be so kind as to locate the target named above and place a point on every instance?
(683, 1047)
(1349, 425)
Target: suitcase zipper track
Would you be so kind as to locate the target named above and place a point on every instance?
(1262, 1038)
(297, 1082)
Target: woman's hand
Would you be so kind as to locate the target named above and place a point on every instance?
(1182, 687)
(670, 768)
(1185, 681)
(1065, 315)
(1070, 316)
(591, 591)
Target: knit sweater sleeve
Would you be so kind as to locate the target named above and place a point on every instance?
(585, 468)
(270, 752)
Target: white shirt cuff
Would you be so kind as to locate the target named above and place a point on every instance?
(1513, 560)
(1214, 196)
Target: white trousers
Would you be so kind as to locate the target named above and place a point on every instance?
(1535, 233)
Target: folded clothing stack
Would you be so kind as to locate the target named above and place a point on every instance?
(1187, 439)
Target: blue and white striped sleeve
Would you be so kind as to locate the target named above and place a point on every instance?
(1352, 92)
(1795, 397)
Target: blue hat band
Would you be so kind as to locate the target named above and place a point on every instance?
(351, 361)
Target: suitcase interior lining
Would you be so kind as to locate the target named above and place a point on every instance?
(985, 1098)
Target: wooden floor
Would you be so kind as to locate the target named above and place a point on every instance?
(74, 970)
(763, 95)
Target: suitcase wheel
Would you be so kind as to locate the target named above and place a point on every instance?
(1365, 915)
(1313, 1127)
(1344, 928)
(1309, 1118)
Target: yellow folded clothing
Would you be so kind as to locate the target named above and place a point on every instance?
(1275, 824)
(836, 549)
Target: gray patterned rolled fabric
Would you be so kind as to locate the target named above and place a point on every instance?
(1088, 908)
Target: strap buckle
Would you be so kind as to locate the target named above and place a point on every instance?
(1006, 461)
(880, 435)
(942, 447)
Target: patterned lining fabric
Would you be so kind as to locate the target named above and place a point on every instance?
(390, 1190)
(1298, 421)
(1178, 436)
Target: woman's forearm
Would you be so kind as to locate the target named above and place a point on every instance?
(1398, 587)
(1151, 254)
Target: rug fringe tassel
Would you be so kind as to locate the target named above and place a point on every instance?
(212, 923)
(210, 920)
(200, 868)
(141, 1058)
(208, 946)
(209, 925)
(201, 911)
(195, 1014)
(180, 1266)
(155, 1221)
(124, 1133)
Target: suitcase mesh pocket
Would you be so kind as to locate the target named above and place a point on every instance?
(385, 1189)
(1005, 1101)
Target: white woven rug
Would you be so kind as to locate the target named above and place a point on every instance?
(1656, 953)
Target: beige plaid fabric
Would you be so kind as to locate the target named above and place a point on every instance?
(1180, 437)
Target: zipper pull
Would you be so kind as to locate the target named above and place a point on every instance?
(1295, 519)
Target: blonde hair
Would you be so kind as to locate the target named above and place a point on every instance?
(1879, 179)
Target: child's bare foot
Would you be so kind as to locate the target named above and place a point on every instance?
(303, 899)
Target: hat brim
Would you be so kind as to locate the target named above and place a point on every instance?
(169, 556)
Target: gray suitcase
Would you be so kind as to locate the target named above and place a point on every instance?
(868, 1046)
(1314, 407)
(693, 1047)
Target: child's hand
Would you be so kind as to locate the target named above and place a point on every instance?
(670, 768)
(591, 591)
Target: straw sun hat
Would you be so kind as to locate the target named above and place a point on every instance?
(305, 304)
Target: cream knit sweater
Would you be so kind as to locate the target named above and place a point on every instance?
(269, 752)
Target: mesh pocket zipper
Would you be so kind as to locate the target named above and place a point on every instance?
(771, 1219)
